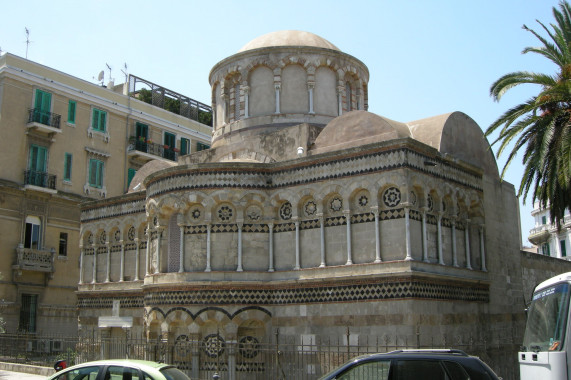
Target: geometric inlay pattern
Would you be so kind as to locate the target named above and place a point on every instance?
(391, 197)
(249, 347)
(335, 221)
(363, 218)
(285, 211)
(336, 204)
(213, 345)
(310, 208)
(407, 288)
(225, 213)
(131, 234)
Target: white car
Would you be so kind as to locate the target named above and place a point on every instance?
(120, 370)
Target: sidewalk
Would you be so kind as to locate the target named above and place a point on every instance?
(8, 375)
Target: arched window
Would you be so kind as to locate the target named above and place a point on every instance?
(348, 96)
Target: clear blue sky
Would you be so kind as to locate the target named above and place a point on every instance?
(425, 58)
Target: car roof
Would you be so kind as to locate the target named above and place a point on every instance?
(412, 354)
(141, 364)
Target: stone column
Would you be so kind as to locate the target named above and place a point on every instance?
(347, 214)
(108, 268)
(277, 86)
(181, 254)
(454, 250)
(224, 100)
(375, 210)
(158, 251)
(439, 237)
(122, 268)
(340, 99)
(208, 228)
(310, 87)
(94, 264)
(231, 346)
(246, 101)
(424, 236)
(297, 253)
(322, 238)
(137, 259)
(482, 250)
(239, 268)
(81, 255)
(147, 252)
(271, 247)
(467, 242)
(407, 232)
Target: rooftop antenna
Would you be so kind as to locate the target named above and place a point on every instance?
(124, 71)
(109, 67)
(27, 41)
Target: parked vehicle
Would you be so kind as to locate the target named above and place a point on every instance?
(545, 353)
(414, 365)
(120, 370)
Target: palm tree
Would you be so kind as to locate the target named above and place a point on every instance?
(542, 125)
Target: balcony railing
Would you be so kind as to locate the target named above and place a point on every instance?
(34, 259)
(40, 179)
(35, 115)
(152, 148)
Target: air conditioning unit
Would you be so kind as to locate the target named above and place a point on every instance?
(57, 345)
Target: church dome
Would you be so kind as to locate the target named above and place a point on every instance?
(146, 170)
(358, 128)
(288, 38)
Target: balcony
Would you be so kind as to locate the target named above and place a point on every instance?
(39, 181)
(42, 121)
(146, 151)
(539, 235)
(34, 260)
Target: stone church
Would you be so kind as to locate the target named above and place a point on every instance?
(310, 215)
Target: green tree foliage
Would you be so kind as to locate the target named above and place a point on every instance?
(541, 126)
(173, 105)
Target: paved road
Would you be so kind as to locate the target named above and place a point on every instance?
(7, 375)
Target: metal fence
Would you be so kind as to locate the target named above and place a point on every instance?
(285, 357)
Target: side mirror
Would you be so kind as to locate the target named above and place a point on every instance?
(59, 365)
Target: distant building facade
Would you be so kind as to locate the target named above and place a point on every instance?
(65, 141)
(549, 240)
(308, 215)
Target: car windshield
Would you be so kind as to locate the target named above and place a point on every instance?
(172, 373)
(546, 319)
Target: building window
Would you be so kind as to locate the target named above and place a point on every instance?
(95, 173)
(184, 146)
(130, 174)
(348, 96)
(62, 244)
(99, 120)
(237, 102)
(28, 313)
(37, 165)
(543, 219)
(545, 249)
(71, 111)
(200, 146)
(32, 237)
(42, 107)
(563, 248)
(67, 167)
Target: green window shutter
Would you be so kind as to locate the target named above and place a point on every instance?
(184, 145)
(130, 174)
(67, 167)
(95, 173)
(200, 146)
(38, 158)
(99, 120)
(43, 101)
(71, 112)
(563, 248)
(141, 130)
(169, 139)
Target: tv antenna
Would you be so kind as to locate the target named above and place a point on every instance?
(125, 72)
(109, 67)
(28, 42)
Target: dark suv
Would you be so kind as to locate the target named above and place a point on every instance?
(414, 365)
